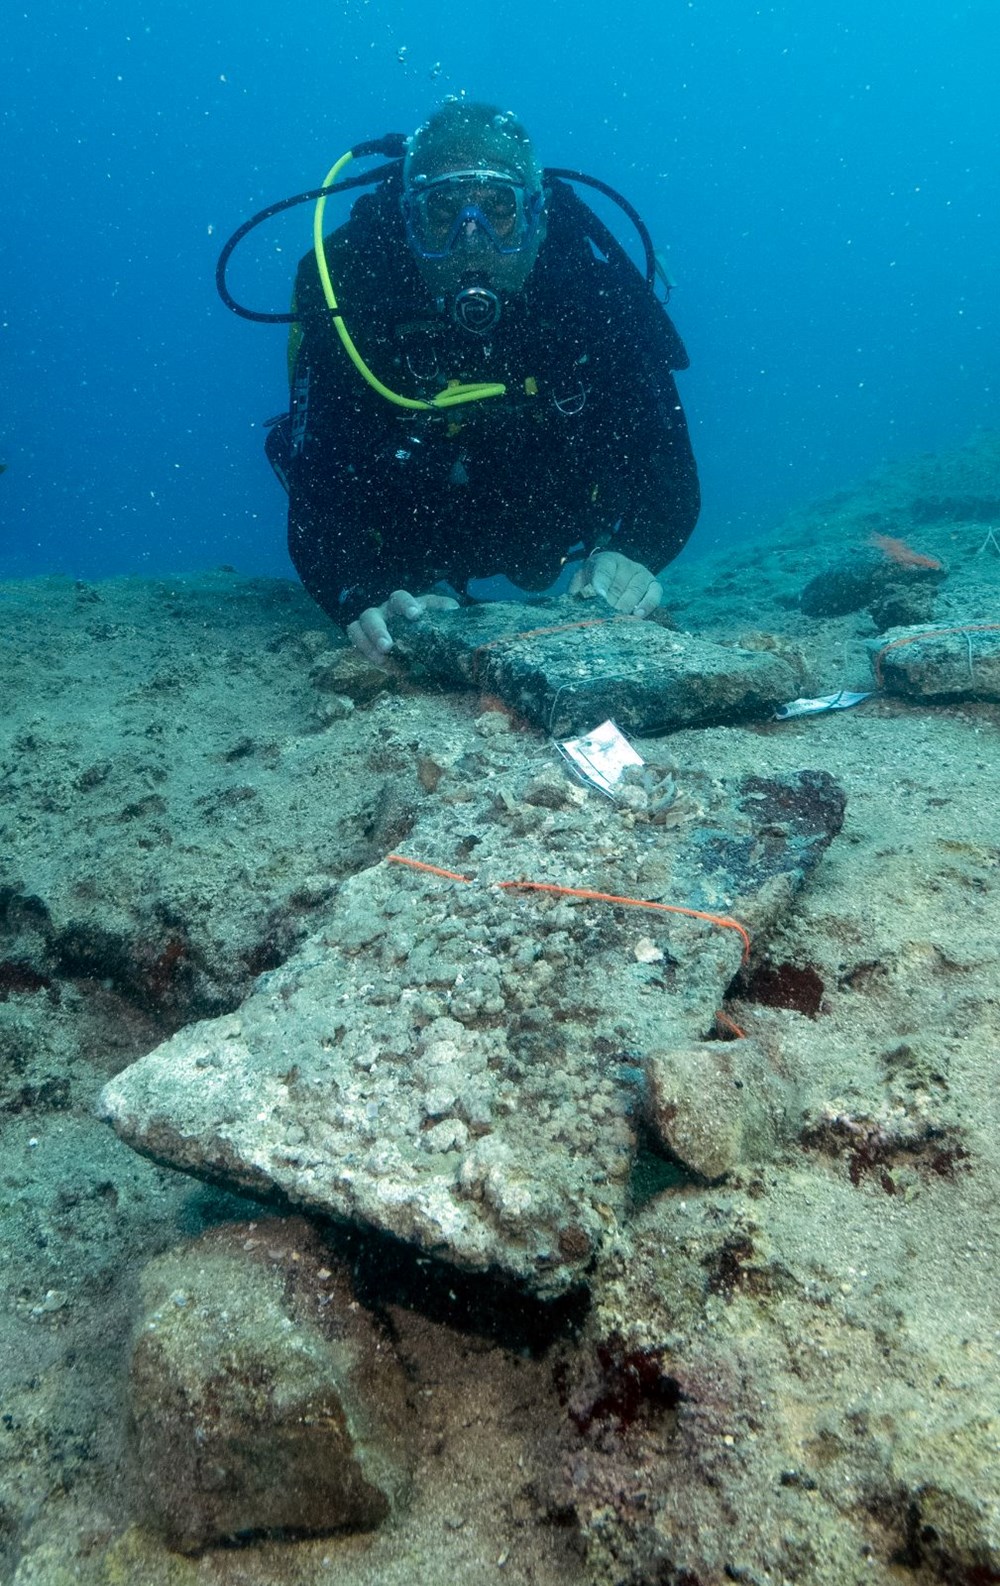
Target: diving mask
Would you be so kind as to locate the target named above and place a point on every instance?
(471, 209)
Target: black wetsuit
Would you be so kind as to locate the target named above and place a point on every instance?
(590, 434)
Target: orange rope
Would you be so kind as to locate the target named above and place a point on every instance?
(722, 920)
(726, 1023)
(434, 870)
(543, 633)
(559, 627)
(636, 903)
(931, 633)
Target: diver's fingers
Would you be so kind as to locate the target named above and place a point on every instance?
(600, 574)
(370, 636)
(622, 584)
(400, 604)
(369, 633)
(650, 600)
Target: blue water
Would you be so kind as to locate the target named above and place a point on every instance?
(826, 185)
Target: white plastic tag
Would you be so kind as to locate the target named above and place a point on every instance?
(600, 756)
(813, 707)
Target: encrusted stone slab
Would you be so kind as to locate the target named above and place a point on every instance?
(460, 1062)
(567, 664)
(960, 661)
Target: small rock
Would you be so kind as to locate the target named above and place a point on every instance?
(716, 1105)
(429, 773)
(337, 708)
(647, 952)
(448, 1135)
(864, 576)
(54, 1300)
(492, 724)
(347, 673)
(550, 789)
(248, 1417)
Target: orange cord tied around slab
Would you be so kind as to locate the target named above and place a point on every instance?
(722, 920)
(929, 633)
(556, 627)
(481, 650)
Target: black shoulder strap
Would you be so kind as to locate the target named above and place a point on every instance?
(371, 269)
(575, 231)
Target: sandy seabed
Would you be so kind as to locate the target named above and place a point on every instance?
(186, 778)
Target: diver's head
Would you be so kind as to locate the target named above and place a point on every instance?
(474, 207)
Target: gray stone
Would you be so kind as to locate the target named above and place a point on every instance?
(719, 1104)
(262, 1398)
(868, 574)
(344, 673)
(487, 1112)
(961, 661)
(566, 665)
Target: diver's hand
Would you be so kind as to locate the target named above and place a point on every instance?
(625, 585)
(369, 633)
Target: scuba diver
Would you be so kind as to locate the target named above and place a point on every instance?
(481, 383)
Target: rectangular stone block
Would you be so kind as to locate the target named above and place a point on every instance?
(565, 665)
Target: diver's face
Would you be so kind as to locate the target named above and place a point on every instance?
(473, 225)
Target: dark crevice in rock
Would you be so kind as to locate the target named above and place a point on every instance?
(386, 1273)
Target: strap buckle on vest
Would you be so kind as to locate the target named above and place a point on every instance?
(571, 404)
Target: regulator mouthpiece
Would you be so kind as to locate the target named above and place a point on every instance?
(476, 309)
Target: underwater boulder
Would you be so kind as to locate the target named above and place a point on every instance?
(565, 664)
(262, 1399)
